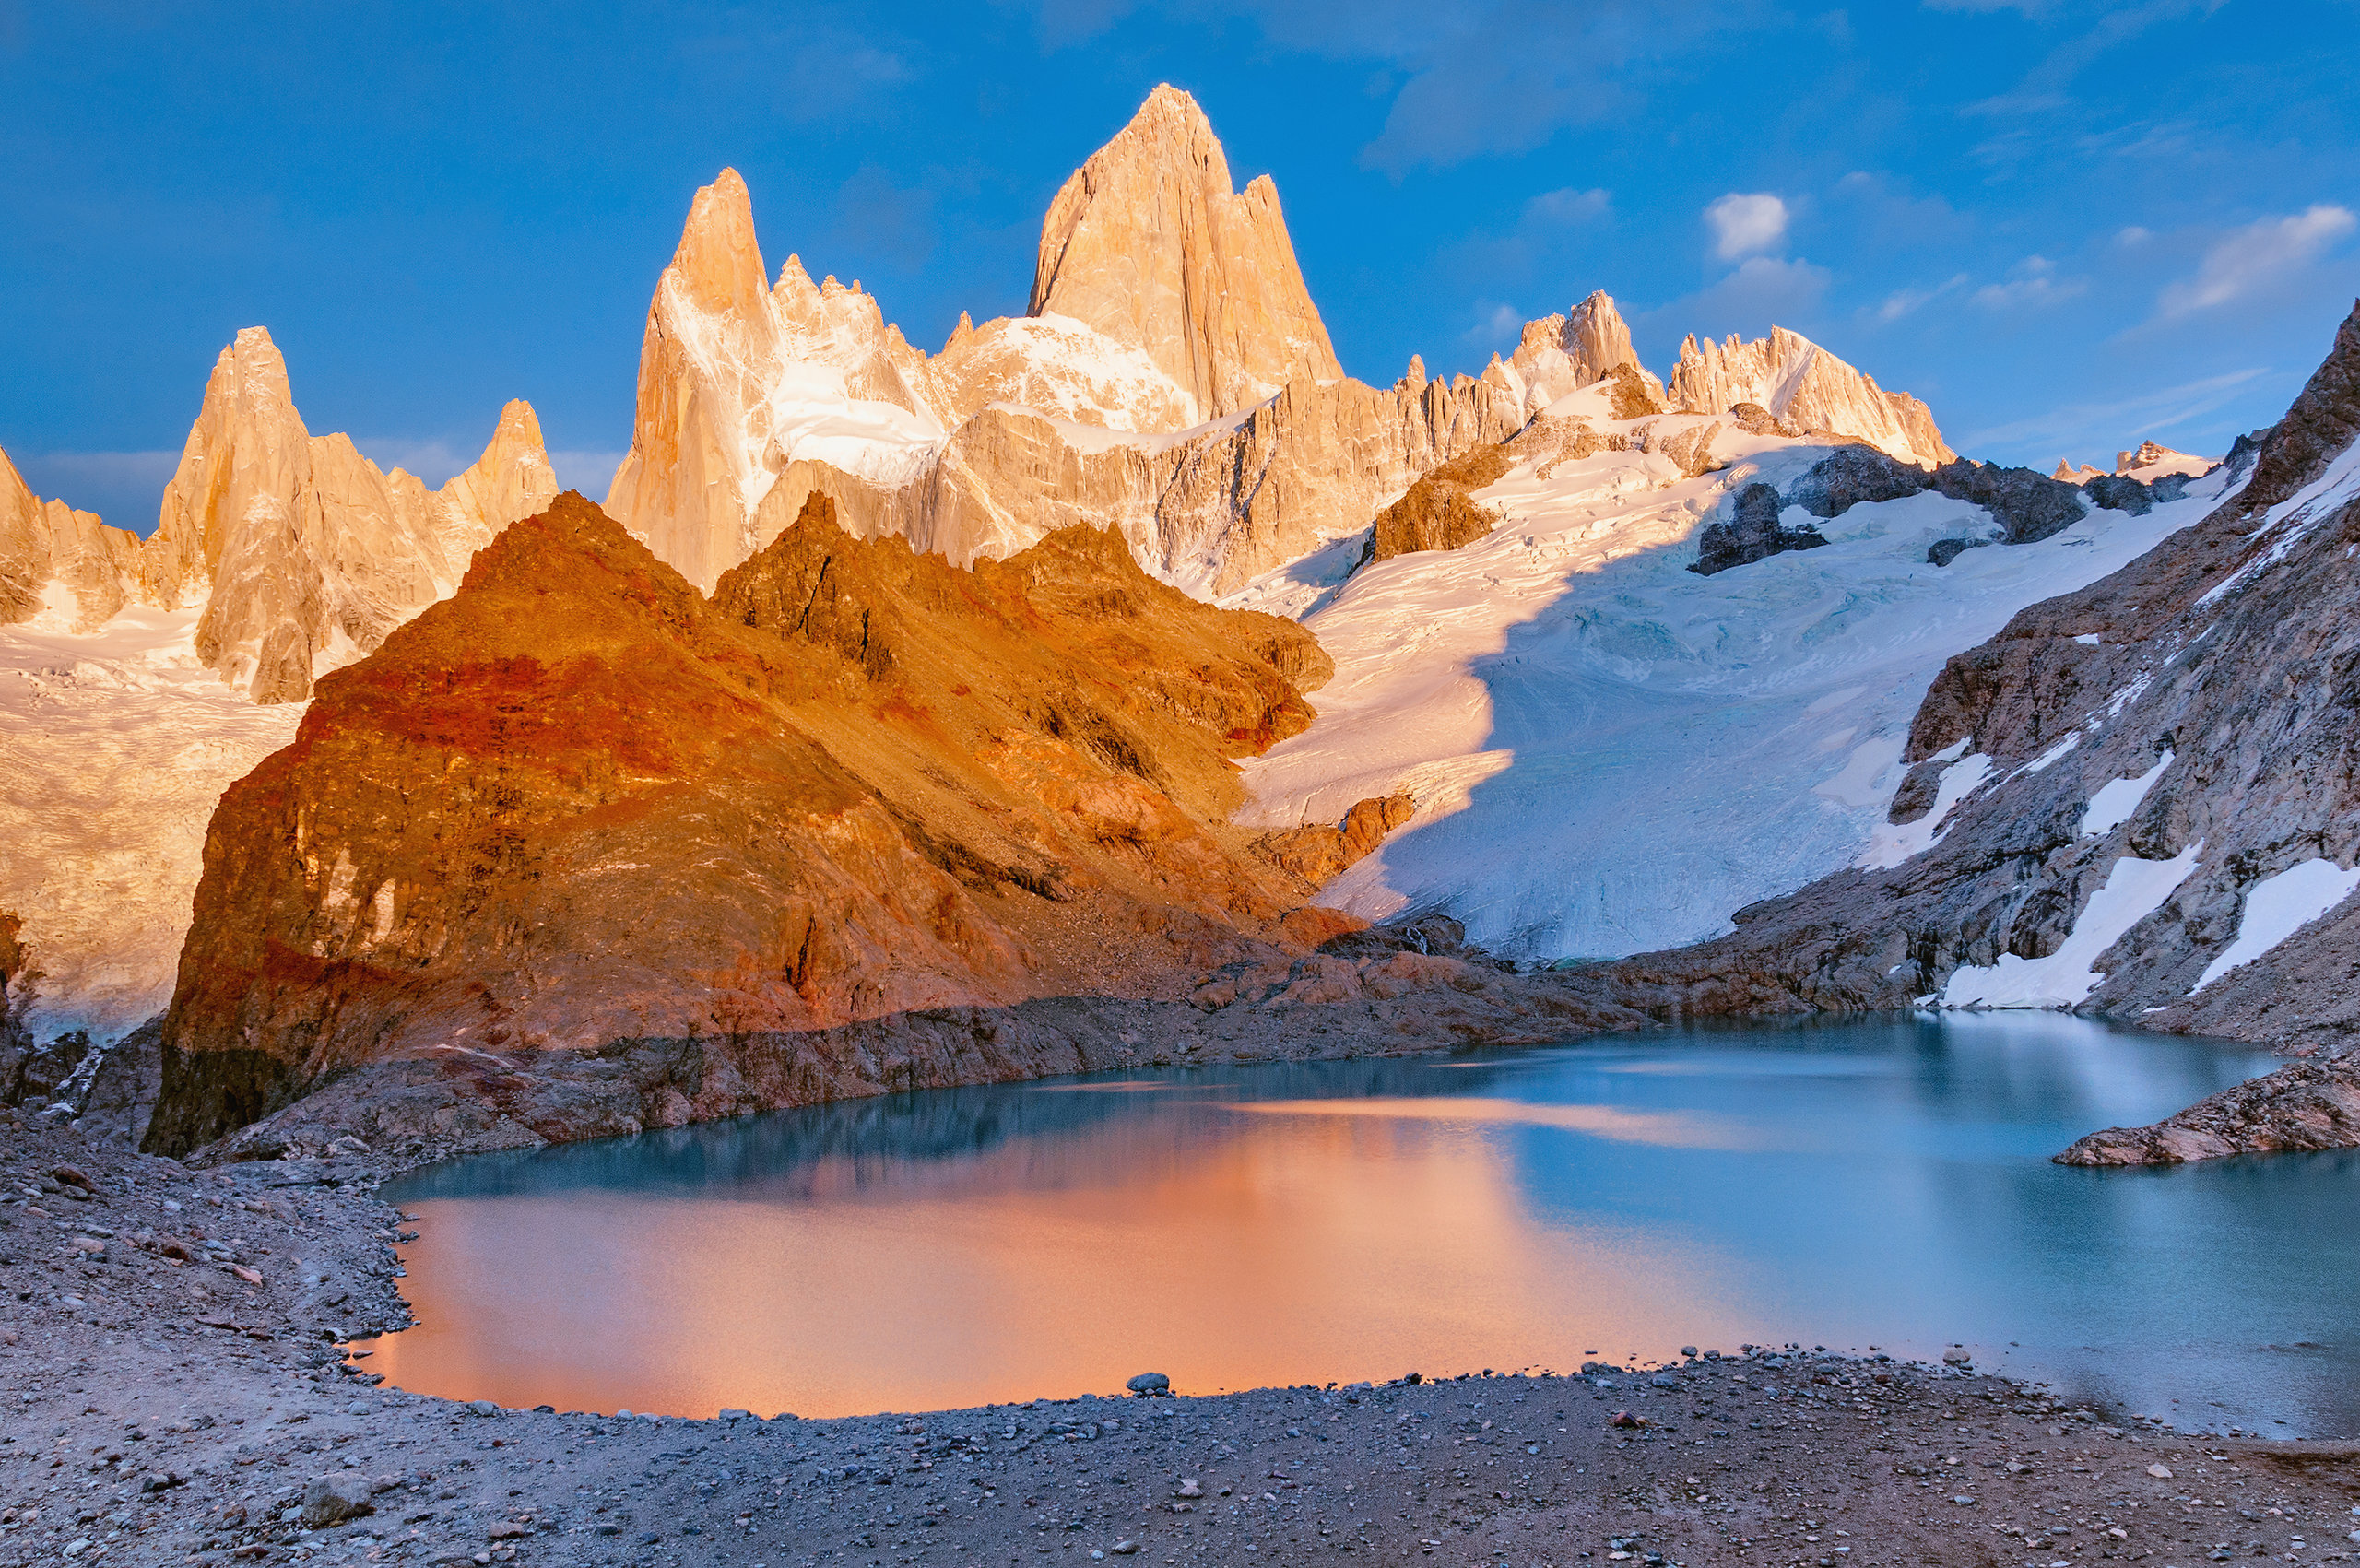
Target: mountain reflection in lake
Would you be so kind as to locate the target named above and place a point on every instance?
(1882, 1183)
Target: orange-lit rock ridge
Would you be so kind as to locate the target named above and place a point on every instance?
(55, 558)
(859, 808)
(1809, 388)
(1149, 244)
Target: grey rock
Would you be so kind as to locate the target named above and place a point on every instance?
(1752, 532)
(2117, 492)
(2030, 506)
(331, 1499)
(1150, 1383)
(1943, 552)
(1851, 474)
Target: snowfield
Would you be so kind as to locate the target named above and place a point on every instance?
(1610, 753)
(113, 748)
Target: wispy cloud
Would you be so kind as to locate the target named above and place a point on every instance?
(1744, 223)
(1764, 292)
(1568, 207)
(1904, 303)
(2109, 426)
(123, 488)
(432, 461)
(1497, 325)
(2032, 284)
(2246, 261)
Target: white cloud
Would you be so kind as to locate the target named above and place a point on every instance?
(1744, 224)
(2246, 260)
(1908, 301)
(1567, 208)
(1495, 323)
(432, 461)
(2032, 284)
(125, 488)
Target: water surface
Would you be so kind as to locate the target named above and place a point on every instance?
(1872, 1183)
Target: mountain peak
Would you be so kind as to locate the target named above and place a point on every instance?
(718, 265)
(1149, 244)
(1801, 383)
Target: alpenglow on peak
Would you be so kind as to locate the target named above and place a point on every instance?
(1148, 242)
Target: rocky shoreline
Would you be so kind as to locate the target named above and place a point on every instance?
(171, 1361)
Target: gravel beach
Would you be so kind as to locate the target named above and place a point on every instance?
(176, 1391)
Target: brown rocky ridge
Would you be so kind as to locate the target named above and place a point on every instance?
(580, 851)
(1437, 514)
(2221, 668)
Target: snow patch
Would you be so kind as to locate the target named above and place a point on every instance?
(2113, 804)
(2277, 907)
(114, 748)
(2134, 890)
(1893, 842)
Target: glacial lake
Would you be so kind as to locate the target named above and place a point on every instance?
(1871, 1184)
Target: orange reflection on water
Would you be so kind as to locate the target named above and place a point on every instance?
(1286, 1248)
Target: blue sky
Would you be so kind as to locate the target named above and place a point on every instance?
(2066, 224)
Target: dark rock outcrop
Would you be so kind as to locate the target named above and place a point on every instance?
(2308, 1105)
(2118, 492)
(2029, 505)
(2225, 664)
(1851, 474)
(1752, 532)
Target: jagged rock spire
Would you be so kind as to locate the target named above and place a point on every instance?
(1149, 244)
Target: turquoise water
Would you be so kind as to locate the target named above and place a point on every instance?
(1881, 1183)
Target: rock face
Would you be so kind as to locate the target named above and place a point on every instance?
(55, 558)
(1803, 384)
(1438, 513)
(1320, 854)
(579, 803)
(2136, 801)
(301, 551)
(1149, 244)
(1564, 354)
(1162, 298)
(1752, 532)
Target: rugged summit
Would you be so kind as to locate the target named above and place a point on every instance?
(1149, 244)
(52, 557)
(579, 803)
(1809, 388)
(751, 400)
(299, 552)
(2136, 801)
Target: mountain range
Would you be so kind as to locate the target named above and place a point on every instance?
(1124, 682)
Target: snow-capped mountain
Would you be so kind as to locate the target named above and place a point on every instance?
(1175, 383)
(1610, 752)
